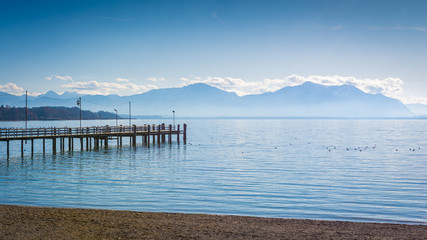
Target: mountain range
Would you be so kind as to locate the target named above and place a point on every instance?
(202, 100)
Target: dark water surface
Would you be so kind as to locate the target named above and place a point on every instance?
(357, 170)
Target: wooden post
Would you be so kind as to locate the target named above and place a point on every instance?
(7, 149)
(158, 135)
(87, 143)
(32, 147)
(22, 148)
(54, 146)
(170, 133)
(72, 144)
(134, 135)
(44, 146)
(185, 133)
(121, 141)
(106, 142)
(148, 136)
(177, 134)
(96, 143)
(154, 135)
(69, 144)
(81, 144)
(90, 143)
(163, 134)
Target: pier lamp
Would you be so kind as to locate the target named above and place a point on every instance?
(116, 117)
(79, 103)
(173, 112)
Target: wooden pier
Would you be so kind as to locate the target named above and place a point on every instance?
(92, 137)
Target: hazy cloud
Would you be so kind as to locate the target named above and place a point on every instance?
(12, 88)
(398, 28)
(337, 27)
(57, 77)
(156, 79)
(122, 80)
(215, 16)
(105, 88)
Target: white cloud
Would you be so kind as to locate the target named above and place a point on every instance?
(57, 77)
(12, 88)
(155, 79)
(391, 87)
(105, 88)
(122, 80)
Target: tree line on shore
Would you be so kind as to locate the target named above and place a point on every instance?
(8, 113)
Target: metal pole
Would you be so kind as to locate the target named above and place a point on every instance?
(80, 113)
(26, 113)
(116, 117)
(26, 109)
(79, 103)
(173, 118)
(130, 123)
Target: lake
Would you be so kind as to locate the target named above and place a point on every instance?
(331, 169)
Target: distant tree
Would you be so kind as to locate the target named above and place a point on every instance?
(50, 113)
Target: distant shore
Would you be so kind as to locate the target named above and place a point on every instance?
(20, 222)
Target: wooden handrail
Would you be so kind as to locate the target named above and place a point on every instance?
(52, 131)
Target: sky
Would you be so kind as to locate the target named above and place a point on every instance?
(248, 47)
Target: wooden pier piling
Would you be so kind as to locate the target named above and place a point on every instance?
(32, 147)
(185, 133)
(7, 149)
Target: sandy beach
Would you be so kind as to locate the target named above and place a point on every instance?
(20, 222)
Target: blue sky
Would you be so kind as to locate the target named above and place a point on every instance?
(128, 47)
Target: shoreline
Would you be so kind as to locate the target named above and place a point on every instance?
(27, 222)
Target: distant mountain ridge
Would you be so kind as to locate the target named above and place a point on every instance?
(418, 109)
(202, 100)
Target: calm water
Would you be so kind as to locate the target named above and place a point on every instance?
(289, 168)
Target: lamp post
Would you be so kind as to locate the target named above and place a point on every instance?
(173, 112)
(116, 117)
(79, 103)
(130, 122)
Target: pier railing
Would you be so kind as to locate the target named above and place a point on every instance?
(77, 131)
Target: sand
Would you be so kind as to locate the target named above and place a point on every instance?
(20, 222)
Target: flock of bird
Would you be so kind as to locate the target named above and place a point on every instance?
(359, 149)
